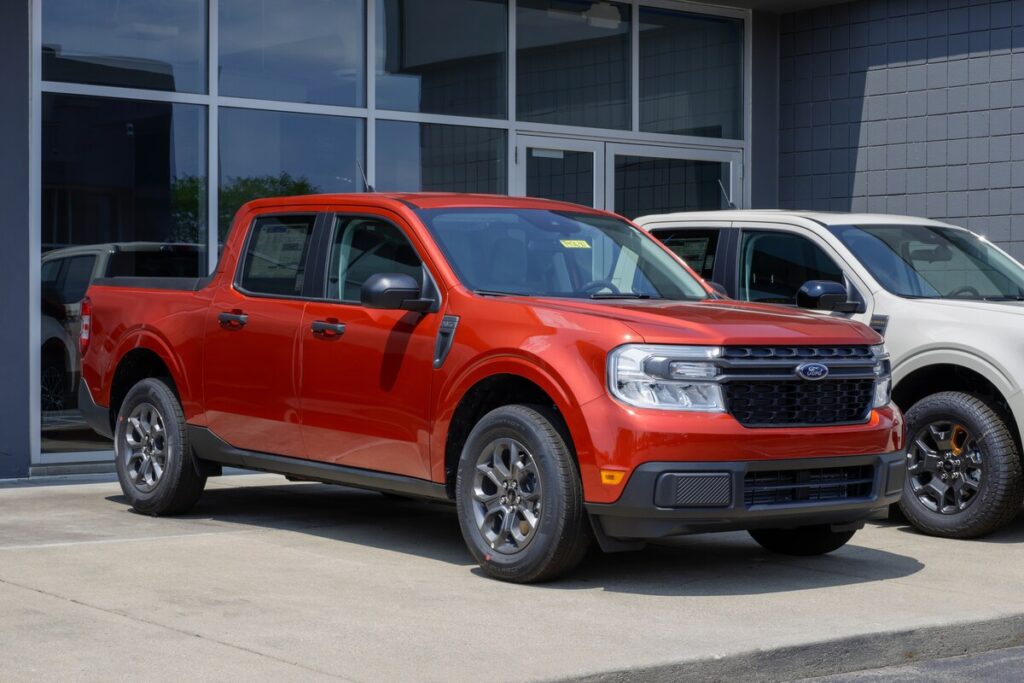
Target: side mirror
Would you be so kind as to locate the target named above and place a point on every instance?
(823, 295)
(718, 289)
(393, 291)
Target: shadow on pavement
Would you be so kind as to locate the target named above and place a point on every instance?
(1011, 533)
(711, 564)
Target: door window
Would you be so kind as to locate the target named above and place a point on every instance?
(76, 278)
(696, 247)
(774, 265)
(363, 247)
(275, 259)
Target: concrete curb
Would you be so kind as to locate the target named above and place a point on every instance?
(828, 657)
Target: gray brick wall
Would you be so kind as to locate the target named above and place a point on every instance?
(906, 106)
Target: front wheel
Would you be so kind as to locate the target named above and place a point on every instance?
(802, 541)
(963, 467)
(519, 496)
(152, 451)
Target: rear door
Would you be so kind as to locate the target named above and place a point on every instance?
(366, 373)
(251, 378)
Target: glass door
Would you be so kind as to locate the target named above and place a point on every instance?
(645, 179)
(566, 170)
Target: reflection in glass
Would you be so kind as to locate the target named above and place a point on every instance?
(419, 156)
(442, 56)
(153, 44)
(650, 185)
(560, 174)
(123, 193)
(274, 154)
(691, 74)
(572, 62)
(298, 51)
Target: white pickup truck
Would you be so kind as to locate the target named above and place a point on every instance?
(951, 307)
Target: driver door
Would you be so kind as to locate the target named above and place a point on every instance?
(366, 373)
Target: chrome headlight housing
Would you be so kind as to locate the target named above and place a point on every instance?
(666, 377)
(883, 375)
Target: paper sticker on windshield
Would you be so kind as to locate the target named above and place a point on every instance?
(575, 244)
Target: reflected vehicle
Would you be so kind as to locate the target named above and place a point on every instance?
(65, 275)
(951, 306)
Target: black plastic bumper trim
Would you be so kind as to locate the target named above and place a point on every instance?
(96, 416)
(637, 515)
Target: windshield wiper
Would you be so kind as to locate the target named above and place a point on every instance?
(620, 295)
(1012, 297)
(491, 292)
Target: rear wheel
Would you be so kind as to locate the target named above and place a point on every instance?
(963, 467)
(802, 541)
(519, 497)
(152, 451)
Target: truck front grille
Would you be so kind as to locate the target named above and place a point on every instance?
(779, 487)
(761, 386)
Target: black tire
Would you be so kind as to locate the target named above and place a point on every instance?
(803, 541)
(179, 484)
(559, 539)
(998, 497)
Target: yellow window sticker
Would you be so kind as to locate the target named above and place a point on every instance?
(575, 244)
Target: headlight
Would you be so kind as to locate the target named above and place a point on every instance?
(883, 371)
(666, 377)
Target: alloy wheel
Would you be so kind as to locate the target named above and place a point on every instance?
(945, 467)
(145, 453)
(507, 496)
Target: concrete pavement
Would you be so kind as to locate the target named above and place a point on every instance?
(293, 581)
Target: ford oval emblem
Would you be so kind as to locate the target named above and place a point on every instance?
(812, 371)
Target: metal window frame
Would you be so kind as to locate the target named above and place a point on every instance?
(736, 152)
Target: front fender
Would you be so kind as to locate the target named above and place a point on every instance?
(519, 364)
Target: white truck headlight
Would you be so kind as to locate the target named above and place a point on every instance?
(883, 371)
(666, 377)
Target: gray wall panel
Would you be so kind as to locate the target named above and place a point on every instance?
(918, 107)
(15, 363)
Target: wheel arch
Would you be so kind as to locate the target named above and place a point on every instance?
(136, 364)
(499, 382)
(951, 375)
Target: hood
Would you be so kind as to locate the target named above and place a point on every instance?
(720, 322)
(973, 307)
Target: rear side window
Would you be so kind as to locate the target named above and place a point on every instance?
(774, 265)
(276, 254)
(696, 247)
(363, 247)
(77, 278)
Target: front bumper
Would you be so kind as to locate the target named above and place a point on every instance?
(674, 498)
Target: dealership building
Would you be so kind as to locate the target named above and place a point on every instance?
(133, 129)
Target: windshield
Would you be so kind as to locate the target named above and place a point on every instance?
(536, 252)
(923, 261)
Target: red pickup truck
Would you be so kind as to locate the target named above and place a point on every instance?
(552, 369)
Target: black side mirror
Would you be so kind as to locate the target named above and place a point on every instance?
(393, 291)
(823, 295)
(718, 289)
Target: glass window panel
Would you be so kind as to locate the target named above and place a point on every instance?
(696, 247)
(559, 174)
(774, 265)
(297, 51)
(151, 44)
(116, 175)
(427, 60)
(572, 63)
(691, 74)
(275, 154)
(646, 185)
(414, 157)
(364, 247)
(275, 259)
